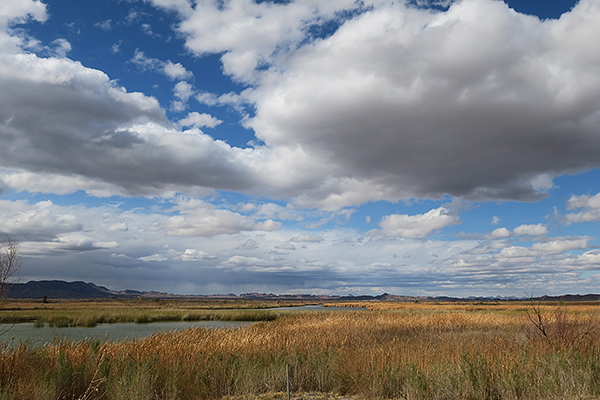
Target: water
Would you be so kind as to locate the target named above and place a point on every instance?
(121, 331)
(14, 333)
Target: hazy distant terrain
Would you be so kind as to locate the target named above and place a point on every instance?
(56, 289)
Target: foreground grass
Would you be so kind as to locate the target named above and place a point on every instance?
(442, 353)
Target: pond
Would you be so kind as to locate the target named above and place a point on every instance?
(14, 333)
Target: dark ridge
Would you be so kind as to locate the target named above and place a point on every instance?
(58, 290)
(570, 297)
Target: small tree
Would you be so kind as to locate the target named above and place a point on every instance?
(10, 263)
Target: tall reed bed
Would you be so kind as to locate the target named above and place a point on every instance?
(92, 316)
(372, 355)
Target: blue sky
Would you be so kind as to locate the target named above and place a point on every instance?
(329, 147)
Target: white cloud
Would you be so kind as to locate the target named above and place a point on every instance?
(501, 233)
(251, 34)
(39, 222)
(200, 120)
(576, 202)
(337, 257)
(56, 115)
(182, 91)
(182, 6)
(536, 266)
(198, 218)
(590, 209)
(400, 102)
(195, 255)
(532, 230)
(549, 248)
(61, 48)
(414, 226)
(404, 98)
(13, 12)
(172, 71)
(176, 71)
(341, 123)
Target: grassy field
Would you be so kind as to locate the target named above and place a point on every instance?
(392, 351)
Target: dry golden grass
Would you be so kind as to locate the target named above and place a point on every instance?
(440, 352)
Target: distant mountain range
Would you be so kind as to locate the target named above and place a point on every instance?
(65, 290)
(83, 290)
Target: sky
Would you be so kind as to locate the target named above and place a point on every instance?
(417, 147)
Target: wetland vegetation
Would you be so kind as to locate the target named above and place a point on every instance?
(90, 313)
(391, 351)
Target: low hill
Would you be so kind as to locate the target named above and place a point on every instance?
(59, 290)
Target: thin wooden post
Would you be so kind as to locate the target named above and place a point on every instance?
(287, 374)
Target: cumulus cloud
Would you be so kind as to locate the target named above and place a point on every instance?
(477, 102)
(548, 261)
(15, 12)
(501, 233)
(198, 218)
(182, 91)
(588, 206)
(176, 71)
(414, 226)
(478, 82)
(200, 120)
(61, 47)
(59, 118)
(531, 230)
(118, 243)
(251, 34)
(478, 85)
(40, 222)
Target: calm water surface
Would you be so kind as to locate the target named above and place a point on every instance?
(13, 333)
(123, 331)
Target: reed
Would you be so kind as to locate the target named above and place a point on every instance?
(88, 314)
(395, 354)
